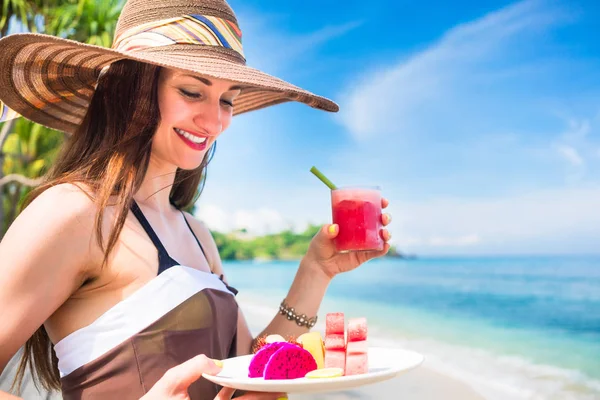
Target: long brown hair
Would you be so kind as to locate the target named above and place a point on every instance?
(109, 154)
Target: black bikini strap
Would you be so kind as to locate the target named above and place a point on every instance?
(164, 260)
(193, 234)
(231, 288)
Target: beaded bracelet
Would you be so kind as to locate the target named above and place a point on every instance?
(290, 314)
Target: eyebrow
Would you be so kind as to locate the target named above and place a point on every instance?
(209, 83)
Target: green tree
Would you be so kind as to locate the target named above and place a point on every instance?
(26, 13)
(28, 151)
(88, 21)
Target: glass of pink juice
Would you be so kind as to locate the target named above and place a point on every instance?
(357, 211)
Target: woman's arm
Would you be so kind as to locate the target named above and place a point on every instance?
(317, 268)
(43, 259)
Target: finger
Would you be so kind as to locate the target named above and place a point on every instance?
(386, 219)
(385, 235)
(183, 375)
(384, 202)
(226, 393)
(331, 231)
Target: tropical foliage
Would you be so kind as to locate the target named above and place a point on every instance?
(28, 153)
(26, 148)
(280, 246)
(285, 245)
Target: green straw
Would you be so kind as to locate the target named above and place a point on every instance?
(322, 177)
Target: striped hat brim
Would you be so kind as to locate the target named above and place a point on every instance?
(51, 80)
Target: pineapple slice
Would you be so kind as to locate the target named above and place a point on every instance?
(313, 343)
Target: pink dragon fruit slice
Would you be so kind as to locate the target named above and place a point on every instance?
(260, 359)
(290, 362)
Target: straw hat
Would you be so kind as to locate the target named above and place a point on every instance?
(50, 80)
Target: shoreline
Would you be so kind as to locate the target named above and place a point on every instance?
(450, 370)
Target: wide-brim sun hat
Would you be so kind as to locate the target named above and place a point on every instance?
(50, 80)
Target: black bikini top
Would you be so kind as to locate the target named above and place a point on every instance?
(165, 261)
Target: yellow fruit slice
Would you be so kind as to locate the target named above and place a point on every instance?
(325, 373)
(313, 343)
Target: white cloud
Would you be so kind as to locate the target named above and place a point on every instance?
(571, 155)
(522, 223)
(435, 83)
(576, 147)
(467, 240)
(437, 241)
(259, 221)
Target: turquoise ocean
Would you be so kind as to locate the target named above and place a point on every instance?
(511, 327)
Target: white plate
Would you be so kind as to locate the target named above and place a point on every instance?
(384, 363)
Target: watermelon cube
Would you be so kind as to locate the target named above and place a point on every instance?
(335, 359)
(334, 323)
(359, 347)
(356, 364)
(357, 329)
(335, 341)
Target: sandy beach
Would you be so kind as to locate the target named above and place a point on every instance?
(419, 384)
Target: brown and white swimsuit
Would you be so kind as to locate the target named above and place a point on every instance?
(180, 313)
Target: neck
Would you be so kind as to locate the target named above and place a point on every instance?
(156, 186)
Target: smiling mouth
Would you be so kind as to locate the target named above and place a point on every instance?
(192, 138)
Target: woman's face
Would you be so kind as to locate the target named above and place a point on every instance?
(194, 110)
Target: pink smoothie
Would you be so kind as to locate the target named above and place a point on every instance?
(357, 211)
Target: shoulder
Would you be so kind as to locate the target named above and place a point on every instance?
(63, 218)
(55, 229)
(61, 206)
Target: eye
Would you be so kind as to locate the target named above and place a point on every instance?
(190, 95)
(228, 103)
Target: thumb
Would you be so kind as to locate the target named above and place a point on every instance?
(183, 375)
(225, 394)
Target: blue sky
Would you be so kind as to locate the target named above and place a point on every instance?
(481, 122)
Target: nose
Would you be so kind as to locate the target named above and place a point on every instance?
(209, 118)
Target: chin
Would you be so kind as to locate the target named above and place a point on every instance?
(189, 164)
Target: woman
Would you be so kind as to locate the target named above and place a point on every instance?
(117, 304)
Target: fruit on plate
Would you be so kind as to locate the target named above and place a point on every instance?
(289, 362)
(257, 365)
(344, 351)
(313, 343)
(335, 344)
(356, 347)
(325, 373)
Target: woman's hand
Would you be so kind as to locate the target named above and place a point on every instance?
(175, 382)
(322, 250)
